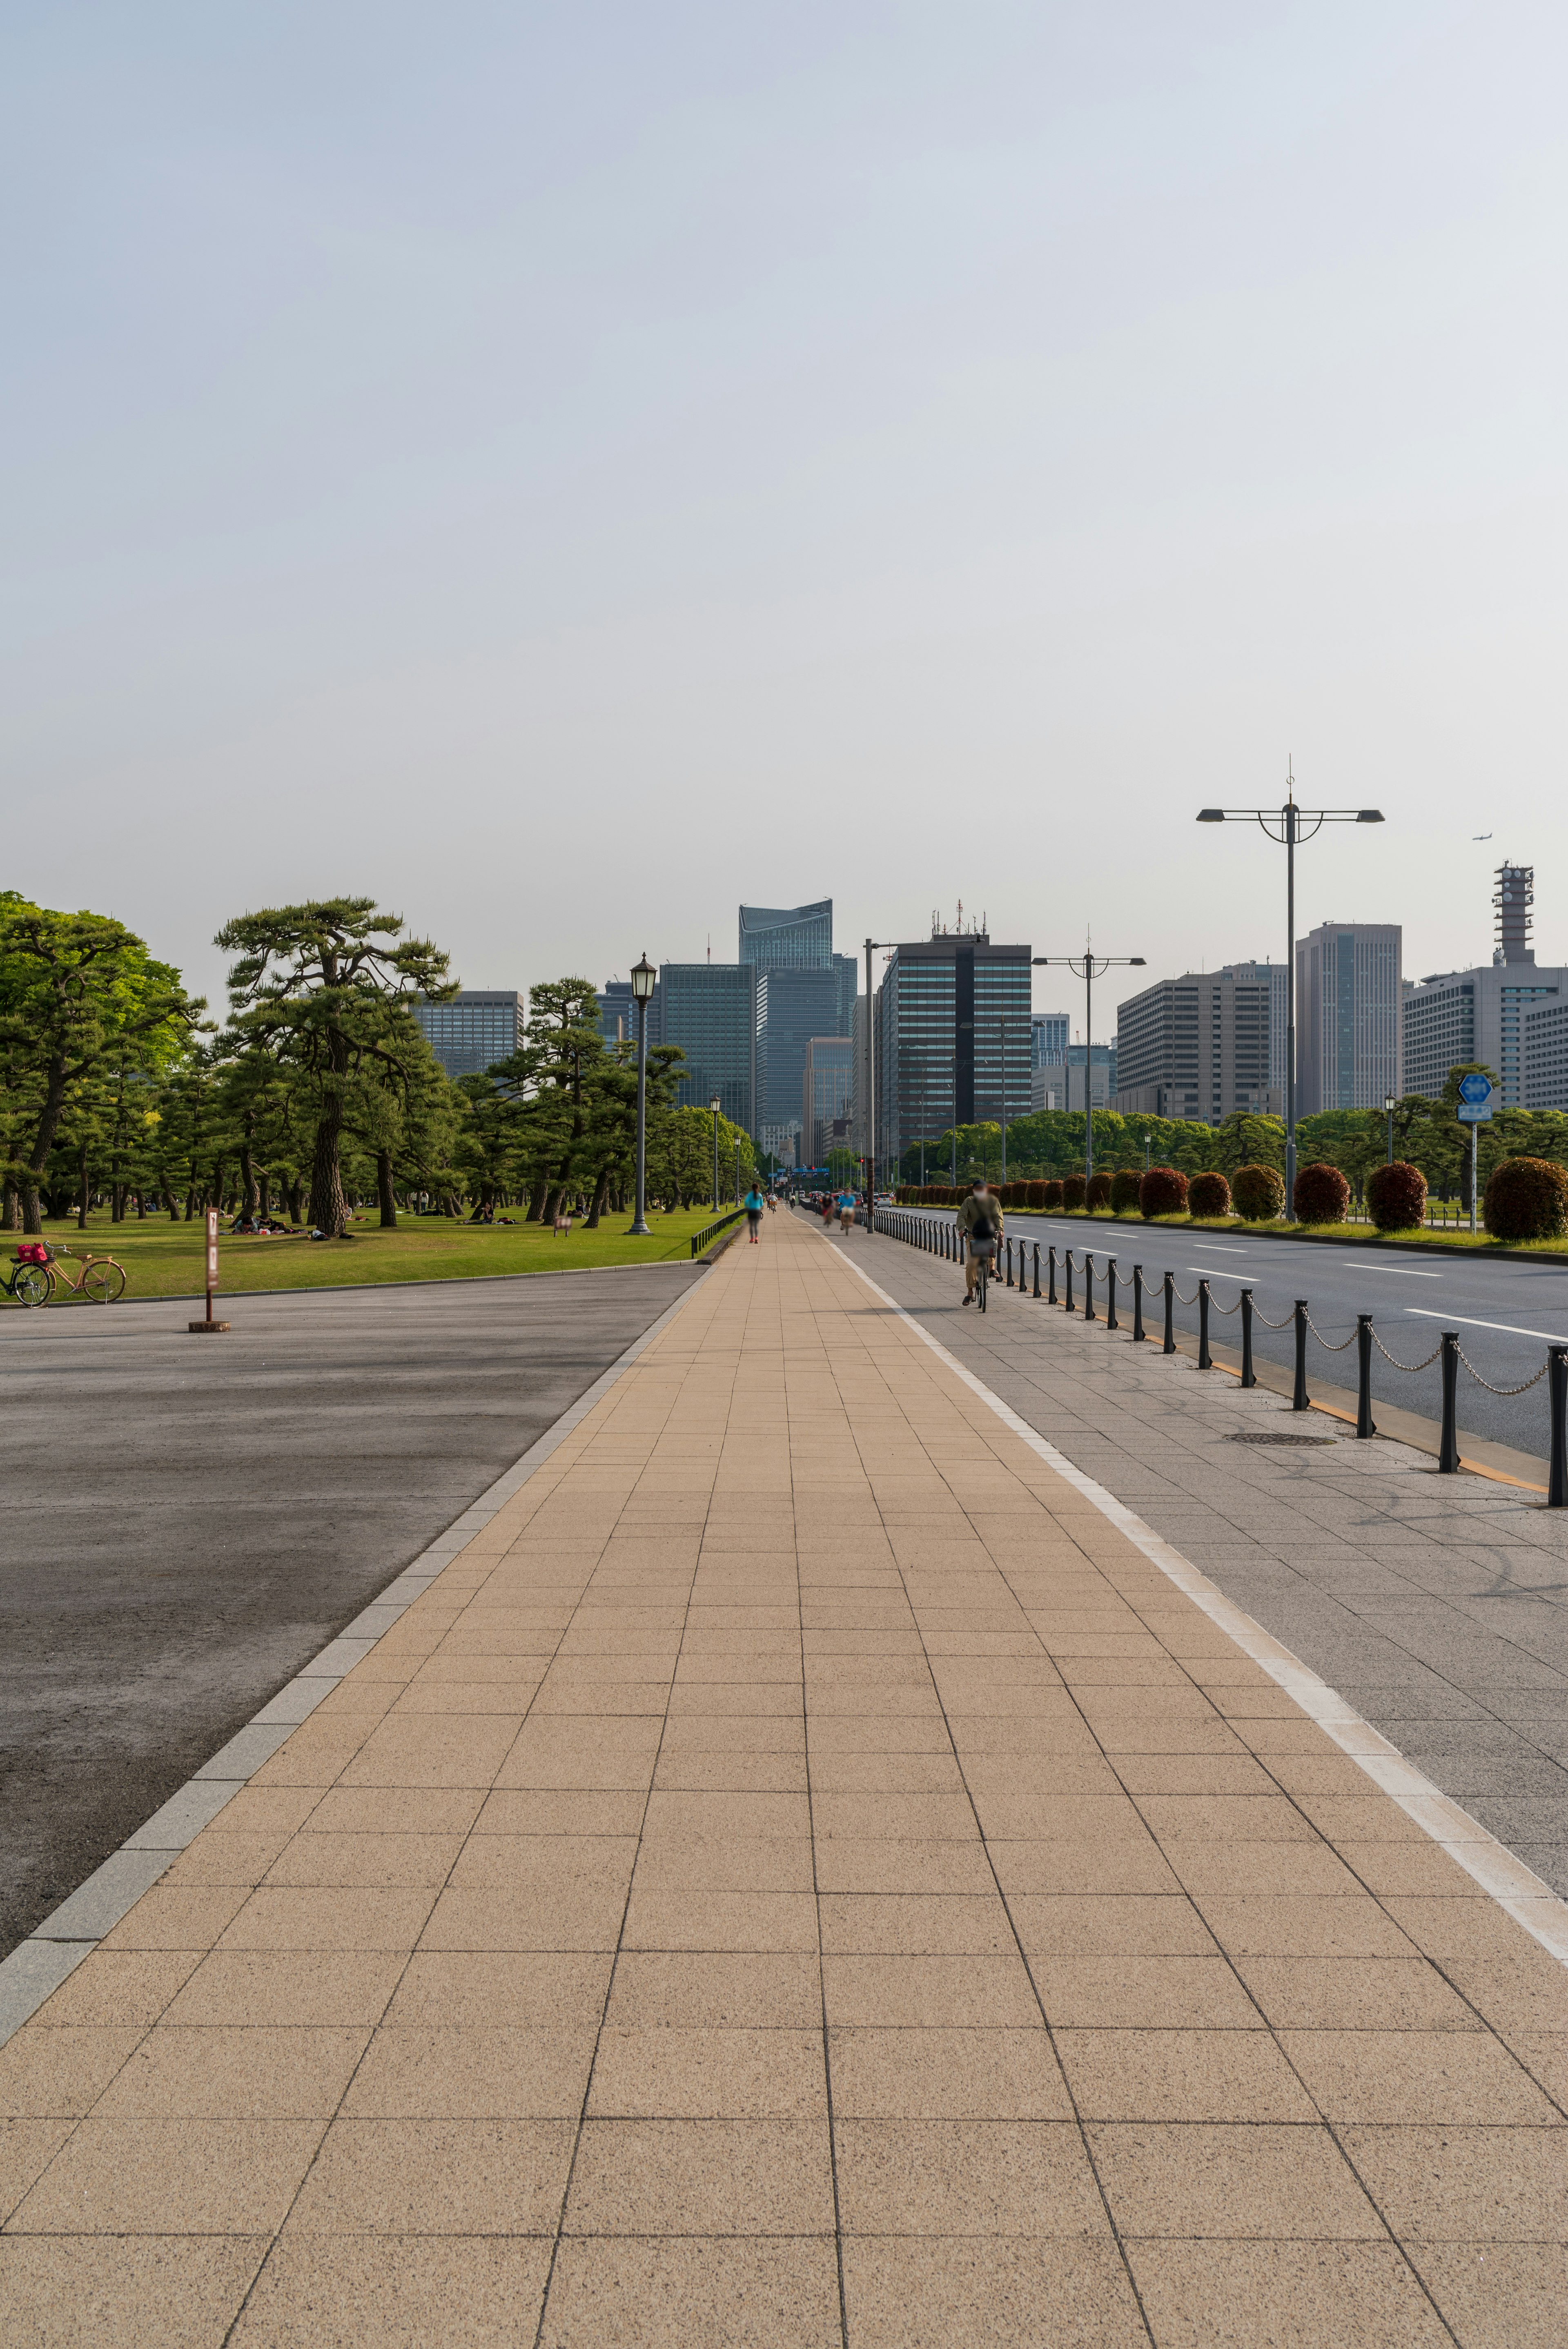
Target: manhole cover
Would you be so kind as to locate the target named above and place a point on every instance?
(1282, 1439)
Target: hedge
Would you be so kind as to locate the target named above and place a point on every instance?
(1098, 1195)
(1052, 1187)
(1209, 1195)
(1125, 1184)
(1072, 1188)
(1397, 1196)
(1162, 1192)
(1322, 1194)
(1527, 1199)
(1258, 1194)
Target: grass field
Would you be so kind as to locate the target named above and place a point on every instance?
(165, 1259)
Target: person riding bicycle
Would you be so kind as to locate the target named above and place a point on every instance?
(979, 1220)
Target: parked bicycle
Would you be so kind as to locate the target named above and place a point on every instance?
(40, 1271)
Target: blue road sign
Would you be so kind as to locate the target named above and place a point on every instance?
(1475, 1088)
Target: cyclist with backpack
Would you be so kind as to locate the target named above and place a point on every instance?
(979, 1220)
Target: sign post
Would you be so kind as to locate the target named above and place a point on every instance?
(209, 1323)
(1475, 1111)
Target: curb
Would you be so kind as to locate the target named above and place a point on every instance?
(53, 1951)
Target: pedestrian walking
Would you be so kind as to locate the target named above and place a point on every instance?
(754, 1213)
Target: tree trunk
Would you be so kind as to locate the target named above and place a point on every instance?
(601, 1192)
(82, 1187)
(142, 1207)
(12, 1208)
(384, 1190)
(295, 1200)
(328, 1210)
(264, 1193)
(250, 1205)
(535, 1214)
(552, 1206)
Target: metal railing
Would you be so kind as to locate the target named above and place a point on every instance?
(946, 1240)
(711, 1231)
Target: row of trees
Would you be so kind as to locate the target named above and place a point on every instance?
(1426, 1133)
(320, 1087)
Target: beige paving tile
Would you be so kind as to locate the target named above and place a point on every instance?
(166, 1919)
(1415, 2076)
(436, 2178)
(50, 2074)
(280, 1917)
(574, 1918)
(924, 1991)
(966, 2177)
(1132, 1992)
(658, 2071)
(1313, 2295)
(26, 2149)
(234, 2071)
(942, 2073)
(1077, 1925)
(1355, 1994)
(486, 1990)
(702, 2177)
(1498, 2295)
(299, 1987)
(404, 2292)
(471, 2071)
(370, 1860)
(914, 1925)
(1275, 2184)
(1181, 2076)
(735, 1990)
(156, 2176)
(1454, 2184)
(122, 2292)
(908, 2294)
(693, 2293)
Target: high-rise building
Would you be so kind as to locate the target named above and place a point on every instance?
(828, 1098)
(798, 936)
(1049, 1034)
(804, 989)
(1499, 1013)
(1276, 975)
(618, 1012)
(709, 1008)
(479, 1025)
(951, 1036)
(1197, 1046)
(1060, 1084)
(1348, 998)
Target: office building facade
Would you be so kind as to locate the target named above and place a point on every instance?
(952, 1038)
(480, 1026)
(1060, 1084)
(1499, 1013)
(790, 949)
(709, 1010)
(828, 1098)
(1349, 1038)
(1198, 1046)
(1050, 1033)
(618, 1012)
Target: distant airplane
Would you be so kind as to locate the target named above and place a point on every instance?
(1480, 835)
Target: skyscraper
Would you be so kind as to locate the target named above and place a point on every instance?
(1492, 1013)
(1348, 998)
(828, 1099)
(951, 1036)
(1198, 1046)
(479, 1025)
(803, 989)
(709, 1008)
(1049, 1032)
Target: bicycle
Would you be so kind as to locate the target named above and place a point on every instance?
(101, 1282)
(983, 1255)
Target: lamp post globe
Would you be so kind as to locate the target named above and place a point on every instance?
(643, 974)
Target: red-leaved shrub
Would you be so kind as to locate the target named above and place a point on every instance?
(1036, 1195)
(1098, 1196)
(1258, 1193)
(1162, 1192)
(1052, 1187)
(1397, 1197)
(1527, 1199)
(1322, 1194)
(1072, 1188)
(1124, 1184)
(1209, 1195)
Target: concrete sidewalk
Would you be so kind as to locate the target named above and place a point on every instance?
(802, 1875)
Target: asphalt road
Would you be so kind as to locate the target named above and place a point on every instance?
(1504, 1313)
(188, 1520)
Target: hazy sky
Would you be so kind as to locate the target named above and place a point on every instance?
(563, 470)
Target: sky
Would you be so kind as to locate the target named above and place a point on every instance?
(563, 470)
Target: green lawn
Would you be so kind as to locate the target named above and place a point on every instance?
(1342, 1235)
(165, 1259)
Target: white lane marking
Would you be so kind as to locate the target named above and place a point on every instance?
(1219, 1250)
(1400, 1271)
(1515, 1888)
(1510, 1328)
(1217, 1271)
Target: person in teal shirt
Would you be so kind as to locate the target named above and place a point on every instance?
(755, 1205)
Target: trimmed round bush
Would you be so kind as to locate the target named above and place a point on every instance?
(1209, 1195)
(1322, 1194)
(1162, 1192)
(1052, 1191)
(1258, 1193)
(1036, 1195)
(1073, 1193)
(1527, 1199)
(1099, 1194)
(1124, 1184)
(1397, 1197)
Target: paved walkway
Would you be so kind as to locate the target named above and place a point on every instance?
(802, 1875)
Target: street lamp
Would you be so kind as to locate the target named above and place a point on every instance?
(713, 1105)
(1145, 1153)
(1088, 967)
(1284, 825)
(643, 974)
(1388, 1108)
(873, 945)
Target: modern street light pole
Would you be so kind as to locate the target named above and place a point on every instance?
(1088, 967)
(1284, 825)
(1388, 1108)
(872, 946)
(643, 976)
(713, 1105)
(1002, 1024)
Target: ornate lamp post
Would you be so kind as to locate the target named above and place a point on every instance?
(1389, 1105)
(643, 974)
(713, 1105)
(1284, 825)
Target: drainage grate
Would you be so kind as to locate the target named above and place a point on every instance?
(1282, 1439)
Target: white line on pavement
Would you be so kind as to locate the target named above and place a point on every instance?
(1512, 1328)
(1400, 1271)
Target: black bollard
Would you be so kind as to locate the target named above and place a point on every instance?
(1557, 1400)
(1205, 1359)
(1009, 1264)
(1169, 1346)
(1089, 1313)
(1067, 1260)
(1364, 1424)
(1037, 1268)
(1448, 1448)
(1249, 1376)
(1051, 1272)
(1300, 1399)
(1111, 1321)
(1137, 1305)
